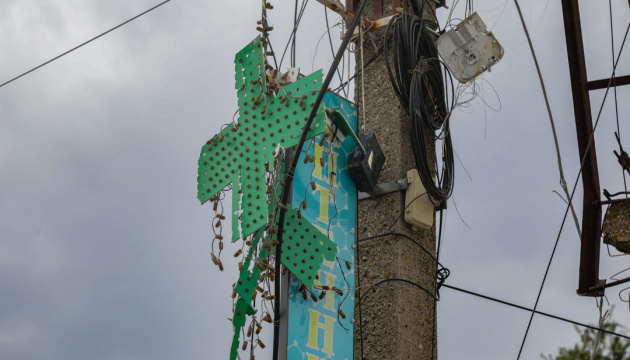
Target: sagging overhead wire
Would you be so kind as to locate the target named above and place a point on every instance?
(360, 70)
(426, 91)
(618, 133)
(563, 182)
(85, 43)
(588, 145)
(345, 94)
(291, 41)
(533, 310)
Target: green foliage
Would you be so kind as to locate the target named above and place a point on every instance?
(610, 347)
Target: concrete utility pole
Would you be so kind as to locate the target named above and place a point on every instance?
(397, 321)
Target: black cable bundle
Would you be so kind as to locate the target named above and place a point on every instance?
(423, 85)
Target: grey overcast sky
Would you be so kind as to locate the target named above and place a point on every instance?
(104, 248)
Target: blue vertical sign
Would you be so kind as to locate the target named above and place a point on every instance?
(316, 330)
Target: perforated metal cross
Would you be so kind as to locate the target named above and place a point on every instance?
(266, 119)
(304, 247)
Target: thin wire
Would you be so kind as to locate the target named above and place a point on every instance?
(406, 237)
(399, 280)
(534, 311)
(85, 43)
(602, 319)
(574, 188)
(403, 212)
(263, 19)
(563, 182)
(437, 261)
(295, 27)
(358, 71)
(332, 50)
(425, 89)
(348, 56)
(357, 257)
(612, 51)
(612, 48)
(294, 34)
(362, 76)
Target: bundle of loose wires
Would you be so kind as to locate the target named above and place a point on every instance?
(425, 88)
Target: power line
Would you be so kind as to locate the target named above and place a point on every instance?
(333, 51)
(434, 296)
(265, 34)
(534, 311)
(556, 317)
(612, 51)
(426, 92)
(296, 24)
(357, 72)
(85, 43)
(437, 285)
(406, 237)
(563, 182)
(574, 188)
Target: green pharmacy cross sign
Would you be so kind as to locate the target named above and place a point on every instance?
(267, 118)
(272, 114)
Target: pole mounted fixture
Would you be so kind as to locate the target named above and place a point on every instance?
(238, 154)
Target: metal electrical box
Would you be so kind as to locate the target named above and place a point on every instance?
(419, 208)
(366, 167)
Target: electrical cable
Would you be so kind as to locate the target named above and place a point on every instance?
(602, 318)
(563, 182)
(349, 57)
(612, 49)
(345, 94)
(534, 311)
(265, 26)
(272, 52)
(85, 43)
(618, 136)
(570, 199)
(288, 179)
(356, 73)
(469, 8)
(403, 212)
(296, 24)
(425, 89)
(358, 274)
(419, 9)
(437, 263)
(396, 279)
(362, 78)
(406, 237)
(486, 297)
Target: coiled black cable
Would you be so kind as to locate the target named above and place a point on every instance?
(425, 89)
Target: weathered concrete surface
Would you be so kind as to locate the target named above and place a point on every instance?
(397, 319)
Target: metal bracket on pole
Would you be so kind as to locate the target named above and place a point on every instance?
(385, 188)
